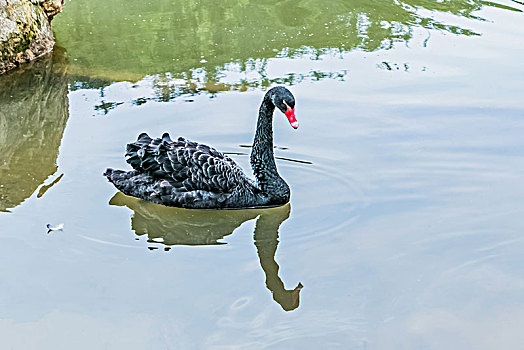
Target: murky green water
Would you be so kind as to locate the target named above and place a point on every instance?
(405, 225)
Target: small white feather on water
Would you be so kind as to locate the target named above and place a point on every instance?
(58, 227)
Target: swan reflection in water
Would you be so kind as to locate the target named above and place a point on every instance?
(175, 226)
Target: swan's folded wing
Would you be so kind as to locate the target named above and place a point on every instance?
(188, 166)
(195, 166)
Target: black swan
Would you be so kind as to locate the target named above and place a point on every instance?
(187, 174)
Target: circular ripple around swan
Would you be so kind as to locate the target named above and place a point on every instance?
(323, 199)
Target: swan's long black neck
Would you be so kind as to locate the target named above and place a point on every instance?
(262, 157)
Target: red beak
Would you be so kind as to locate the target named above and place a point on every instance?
(290, 114)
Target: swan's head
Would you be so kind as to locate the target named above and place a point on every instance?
(284, 100)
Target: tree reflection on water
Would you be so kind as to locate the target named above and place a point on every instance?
(189, 46)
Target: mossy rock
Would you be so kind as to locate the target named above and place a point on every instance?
(25, 31)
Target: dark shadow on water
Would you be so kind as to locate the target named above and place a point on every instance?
(33, 116)
(174, 226)
(266, 241)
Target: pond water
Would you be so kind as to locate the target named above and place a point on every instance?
(404, 229)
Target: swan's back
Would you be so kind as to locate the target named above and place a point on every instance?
(183, 173)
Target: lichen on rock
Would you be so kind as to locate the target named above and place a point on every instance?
(51, 7)
(25, 30)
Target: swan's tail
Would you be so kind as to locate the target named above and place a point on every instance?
(116, 176)
(108, 173)
(136, 184)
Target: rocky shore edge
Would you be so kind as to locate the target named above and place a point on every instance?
(25, 30)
